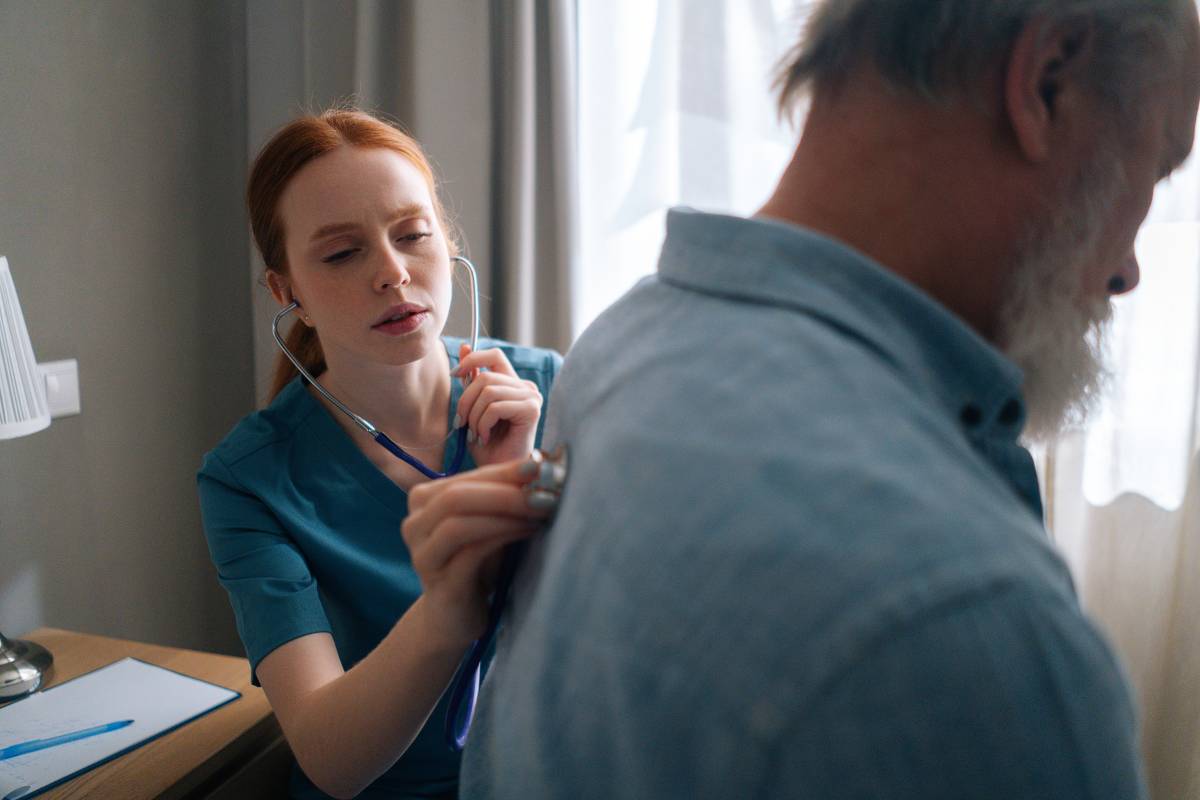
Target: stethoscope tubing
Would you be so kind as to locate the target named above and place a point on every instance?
(362, 422)
(465, 689)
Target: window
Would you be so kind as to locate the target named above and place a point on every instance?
(676, 108)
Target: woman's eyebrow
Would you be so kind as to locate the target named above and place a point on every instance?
(406, 211)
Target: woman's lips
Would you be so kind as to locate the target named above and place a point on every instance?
(406, 323)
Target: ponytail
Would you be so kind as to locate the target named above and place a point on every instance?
(303, 342)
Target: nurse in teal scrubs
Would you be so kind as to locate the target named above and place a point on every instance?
(353, 637)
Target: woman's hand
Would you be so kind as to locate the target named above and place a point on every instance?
(501, 411)
(455, 530)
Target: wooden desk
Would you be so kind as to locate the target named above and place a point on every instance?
(236, 751)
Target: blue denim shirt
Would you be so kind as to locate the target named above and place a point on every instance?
(800, 554)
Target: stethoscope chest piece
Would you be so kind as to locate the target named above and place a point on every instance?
(551, 477)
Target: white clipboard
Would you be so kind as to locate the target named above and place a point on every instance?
(156, 699)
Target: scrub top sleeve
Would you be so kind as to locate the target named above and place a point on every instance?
(273, 593)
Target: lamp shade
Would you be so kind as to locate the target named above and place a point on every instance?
(23, 406)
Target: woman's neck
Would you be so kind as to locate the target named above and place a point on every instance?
(408, 402)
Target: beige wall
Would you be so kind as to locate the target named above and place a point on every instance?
(122, 151)
(125, 131)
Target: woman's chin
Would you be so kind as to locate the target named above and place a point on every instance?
(416, 346)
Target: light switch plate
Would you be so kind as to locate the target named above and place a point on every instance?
(62, 387)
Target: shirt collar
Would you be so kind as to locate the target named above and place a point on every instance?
(783, 265)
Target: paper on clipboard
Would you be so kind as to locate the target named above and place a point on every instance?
(156, 699)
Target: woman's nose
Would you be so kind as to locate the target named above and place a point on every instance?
(392, 272)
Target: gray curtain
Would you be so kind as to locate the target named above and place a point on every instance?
(533, 189)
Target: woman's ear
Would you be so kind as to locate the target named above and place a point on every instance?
(280, 286)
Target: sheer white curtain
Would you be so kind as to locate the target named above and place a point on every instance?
(1123, 492)
(675, 108)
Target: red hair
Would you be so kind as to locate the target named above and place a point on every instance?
(296, 144)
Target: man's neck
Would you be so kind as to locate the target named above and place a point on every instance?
(899, 179)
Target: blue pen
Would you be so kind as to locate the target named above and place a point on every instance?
(33, 745)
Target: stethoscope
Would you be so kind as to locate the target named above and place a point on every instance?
(364, 423)
(551, 477)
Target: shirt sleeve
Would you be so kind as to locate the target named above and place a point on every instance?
(273, 593)
(1000, 697)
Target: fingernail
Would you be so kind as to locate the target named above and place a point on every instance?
(457, 421)
(528, 469)
(471, 437)
(541, 501)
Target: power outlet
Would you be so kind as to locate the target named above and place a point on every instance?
(62, 387)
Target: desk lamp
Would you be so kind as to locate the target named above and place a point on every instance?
(23, 410)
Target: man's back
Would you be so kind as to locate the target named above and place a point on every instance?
(799, 554)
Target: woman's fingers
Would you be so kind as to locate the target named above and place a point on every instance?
(491, 387)
(464, 350)
(468, 498)
(492, 359)
(458, 581)
(522, 412)
(455, 509)
(458, 536)
(515, 473)
(457, 528)
(488, 388)
(494, 393)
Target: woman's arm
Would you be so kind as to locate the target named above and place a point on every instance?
(347, 728)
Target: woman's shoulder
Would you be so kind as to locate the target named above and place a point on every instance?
(265, 428)
(538, 364)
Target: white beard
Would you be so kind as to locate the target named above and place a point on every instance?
(1047, 328)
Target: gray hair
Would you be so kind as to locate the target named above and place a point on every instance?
(940, 49)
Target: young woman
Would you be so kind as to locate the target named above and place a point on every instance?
(353, 637)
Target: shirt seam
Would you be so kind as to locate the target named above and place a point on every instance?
(285, 431)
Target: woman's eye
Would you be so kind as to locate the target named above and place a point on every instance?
(415, 237)
(338, 257)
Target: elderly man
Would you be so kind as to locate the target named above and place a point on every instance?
(801, 552)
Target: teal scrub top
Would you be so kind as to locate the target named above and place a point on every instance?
(305, 534)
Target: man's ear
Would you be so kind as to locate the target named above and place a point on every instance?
(1045, 82)
(280, 286)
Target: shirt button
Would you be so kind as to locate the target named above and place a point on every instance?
(1011, 413)
(971, 416)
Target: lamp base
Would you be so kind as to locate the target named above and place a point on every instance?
(23, 667)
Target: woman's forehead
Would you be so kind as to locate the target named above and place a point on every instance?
(356, 183)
